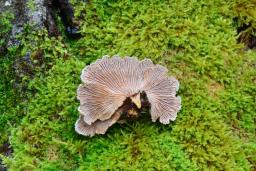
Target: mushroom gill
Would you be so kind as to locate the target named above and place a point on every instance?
(115, 87)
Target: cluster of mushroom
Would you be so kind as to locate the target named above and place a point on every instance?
(116, 88)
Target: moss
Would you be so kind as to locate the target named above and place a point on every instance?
(195, 40)
(136, 149)
(20, 64)
(6, 18)
(7, 116)
(245, 19)
(60, 90)
(6, 103)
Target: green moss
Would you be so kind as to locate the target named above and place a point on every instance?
(245, 19)
(6, 103)
(52, 110)
(206, 137)
(195, 40)
(7, 116)
(5, 27)
(125, 144)
(31, 58)
(136, 149)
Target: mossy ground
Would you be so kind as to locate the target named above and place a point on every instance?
(195, 40)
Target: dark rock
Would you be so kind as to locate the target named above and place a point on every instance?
(40, 14)
(66, 12)
(23, 14)
(6, 150)
(246, 37)
(73, 32)
(50, 19)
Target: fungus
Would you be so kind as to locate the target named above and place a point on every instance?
(117, 88)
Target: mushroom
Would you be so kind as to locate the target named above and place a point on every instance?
(118, 88)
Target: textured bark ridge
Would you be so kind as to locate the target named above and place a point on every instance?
(113, 87)
(40, 14)
(66, 13)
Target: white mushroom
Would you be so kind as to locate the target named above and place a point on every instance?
(116, 86)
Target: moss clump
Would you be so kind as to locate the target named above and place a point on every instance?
(54, 117)
(245, 19)
(6, 75)
(31, 58)
(126, 146)
(5, 27)
(196, 41)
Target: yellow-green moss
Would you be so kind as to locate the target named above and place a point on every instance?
(196, 41)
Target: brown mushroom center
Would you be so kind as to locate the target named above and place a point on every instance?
(133, 105)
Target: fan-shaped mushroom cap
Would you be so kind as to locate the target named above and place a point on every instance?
(98, 127)
(109, 81)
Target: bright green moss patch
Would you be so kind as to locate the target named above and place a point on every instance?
(135, 148)
(196, 41)
(7, 111)
(51, 116)
(5, 26)
(31, 58)
(53, 110)
(6, 103)
(205, 136)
